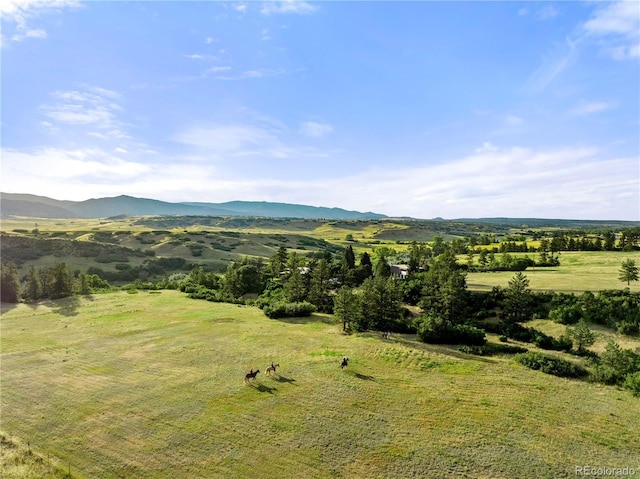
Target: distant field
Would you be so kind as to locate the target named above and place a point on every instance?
(578, 271)
(151, 386)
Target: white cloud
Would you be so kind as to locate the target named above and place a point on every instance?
(299, 7)
(226, 138)
(546, 12)
(20, 14)
(264, 138)
(493, 181)
(257, 73)
(616, 27)
(553, 65)
(88, 173)
(315, 130)
(90, 106)
(486, 147)
(200, 56)
(28, 33)
(587, 108)
(513, 120)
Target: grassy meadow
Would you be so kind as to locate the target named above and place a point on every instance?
(578, 271)
(150, 385)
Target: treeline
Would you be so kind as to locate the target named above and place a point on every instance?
(58, 281)
(51, 282)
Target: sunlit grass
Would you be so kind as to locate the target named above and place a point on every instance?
(151, 385)
(578, 271)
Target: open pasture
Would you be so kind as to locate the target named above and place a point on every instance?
(152, 385)
(578, 271)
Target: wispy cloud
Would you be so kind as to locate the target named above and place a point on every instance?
(264, 138)
(557, 183)
(202, 56)
(588, 108)
(543, 13)
(553, 65)
(21, 13)
(546, 12)
(616, 27)
(90, 106)
(313, 129)
(256, 73)
(299, 7)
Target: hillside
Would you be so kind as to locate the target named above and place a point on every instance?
(34, 206)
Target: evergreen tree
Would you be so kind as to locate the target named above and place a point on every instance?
(518, 302)
(60, 281)
(628, 271)
(9, 284)
(582, 335)
(364, 269)
(33, 285)
(382, 268)
(380, 302)
(347, 308)
(444, 292)
(349, 258)
(319, 287)
(294, 289)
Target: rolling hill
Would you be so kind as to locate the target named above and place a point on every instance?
(34, 206)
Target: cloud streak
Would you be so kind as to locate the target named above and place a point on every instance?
(90, 106)
(298, 7)
(21, 13)
(576, 183)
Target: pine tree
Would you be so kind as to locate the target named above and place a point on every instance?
(628, 271)
(10, 284)
(582, 335)
(518, 300)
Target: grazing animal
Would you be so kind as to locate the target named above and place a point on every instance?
(271, 369)
(251, 375)
(345, 362)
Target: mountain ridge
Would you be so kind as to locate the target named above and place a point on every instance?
(19, 204)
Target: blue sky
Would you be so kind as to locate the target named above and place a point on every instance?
(422, 109)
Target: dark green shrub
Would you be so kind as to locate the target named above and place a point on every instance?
(632, 382)
(628, 328)
(605, 375)
(491, 349)
(550, 365)
(436, 330)
(283, 309)
(566, 314)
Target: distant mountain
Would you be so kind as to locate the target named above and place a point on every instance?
(13, 204)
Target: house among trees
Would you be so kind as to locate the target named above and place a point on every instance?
(399, 271)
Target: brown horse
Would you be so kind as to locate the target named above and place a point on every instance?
(251, 375)
(271, 369)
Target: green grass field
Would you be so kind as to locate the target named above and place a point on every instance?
(151, 386)
(578, 271)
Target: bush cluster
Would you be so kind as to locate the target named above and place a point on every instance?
(436, 330)
(550, 365)
(282, 309)
(492, 349)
